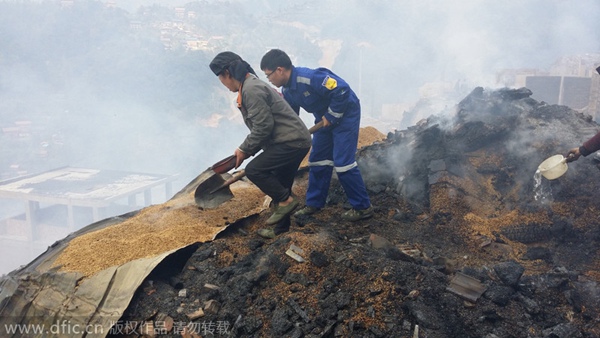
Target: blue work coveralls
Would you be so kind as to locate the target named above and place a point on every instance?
(323, 93)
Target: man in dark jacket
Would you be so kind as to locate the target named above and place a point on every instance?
(274, 128)
(331, 100)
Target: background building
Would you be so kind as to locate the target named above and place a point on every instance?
(572, 81)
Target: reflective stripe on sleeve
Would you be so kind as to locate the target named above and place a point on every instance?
(334, 114)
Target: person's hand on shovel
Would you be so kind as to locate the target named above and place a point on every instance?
(240, 156)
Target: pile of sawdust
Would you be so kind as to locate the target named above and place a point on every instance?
(369, 135)
(168, 226)
(158, 229)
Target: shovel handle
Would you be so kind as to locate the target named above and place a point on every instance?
(316, 127)
(236, 177)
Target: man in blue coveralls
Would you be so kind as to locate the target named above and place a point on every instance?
(329, 98)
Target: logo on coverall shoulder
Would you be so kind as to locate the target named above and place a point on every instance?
(329, 83)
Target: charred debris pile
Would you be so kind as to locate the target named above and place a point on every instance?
(466, 242)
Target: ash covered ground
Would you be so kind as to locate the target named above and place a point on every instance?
(465, 242)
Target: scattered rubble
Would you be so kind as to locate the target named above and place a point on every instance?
(465, 242)
(459, 245)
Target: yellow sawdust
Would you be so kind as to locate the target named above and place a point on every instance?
(369, 135)
(486, 226)
(158, 229)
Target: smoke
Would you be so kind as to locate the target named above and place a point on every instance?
(102, 94)
(392, 51)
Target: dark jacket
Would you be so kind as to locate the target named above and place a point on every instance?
(270, 118)
(590, 146)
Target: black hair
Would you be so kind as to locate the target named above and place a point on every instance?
(275, 58)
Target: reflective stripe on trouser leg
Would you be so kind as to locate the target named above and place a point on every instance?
(345, 141)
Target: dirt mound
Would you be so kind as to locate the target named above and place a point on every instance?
(465, 242)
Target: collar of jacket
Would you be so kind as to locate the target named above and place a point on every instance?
(239, 97)
(292, 83)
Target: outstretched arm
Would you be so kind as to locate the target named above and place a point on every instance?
(590, 146)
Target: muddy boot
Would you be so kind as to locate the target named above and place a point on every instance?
(354, 215)
(281, 227)
(306, 211)
(266, 233)
(282, 212)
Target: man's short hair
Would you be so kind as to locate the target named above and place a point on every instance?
(275, 58)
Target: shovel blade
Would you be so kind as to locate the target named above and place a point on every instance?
(207, 200)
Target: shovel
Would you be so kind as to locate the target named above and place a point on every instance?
(214, 191)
